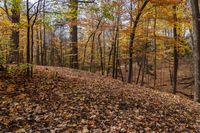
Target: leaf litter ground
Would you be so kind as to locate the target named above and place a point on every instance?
(66, 100)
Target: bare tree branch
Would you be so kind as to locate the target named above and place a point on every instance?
(34, 4)
(5, 9)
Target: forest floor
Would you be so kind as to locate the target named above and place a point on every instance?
(67, 100)
(185, 80)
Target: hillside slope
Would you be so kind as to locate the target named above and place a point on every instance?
(66, 100)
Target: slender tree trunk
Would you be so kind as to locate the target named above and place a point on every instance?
(109, 59)
(92, 54)
(28, 40)
(31, 51)
(91, 36)
(117, 57)
(44, 36)
(38, 48)
(101, 54)
(116, 50)
(104, 51)
(114, 54)
(41, 48)
(148, 73)
(140, 68)
(155, 49)
(170, 73)
(130, 65)
(32, 35)
(175, 53)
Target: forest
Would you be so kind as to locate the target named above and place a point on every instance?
(98, 66)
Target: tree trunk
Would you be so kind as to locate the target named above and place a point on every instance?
(38, 48)
(117, 57)
(28, 40)
(196, 48)
(44, 36)
(104, 51)
(116, 49)
(175, 52)
(74, 34)
(32, 44)
(109, 59)
(138, 77)
(15, 19)
(114, 68)
(92, 54)
(101, 54)
(14, 56)
(155, 49)
(41, 47)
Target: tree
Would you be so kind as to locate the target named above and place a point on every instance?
(175, 51)
(196, 47)
(73, 7)
(132, 37)
(44, 54)
(14, 17)
(29, 52)
(155, 48)
(74, 33)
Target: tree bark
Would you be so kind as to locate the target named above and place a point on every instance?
(109, 59)
(41, 48)
(155, 49)
(74, 34)
(196, 48)
(101, 54)
(28, 39)
(116, 49)
(44, 37)
(175, 52)
(38, 48)
(92, 54)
